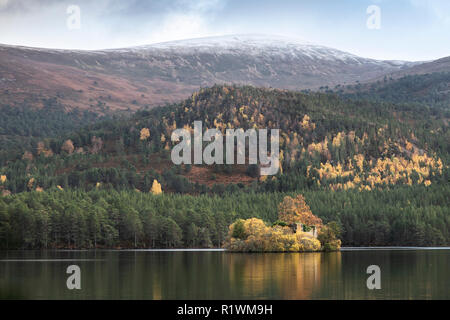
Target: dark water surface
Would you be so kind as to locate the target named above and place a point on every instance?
(405, 274)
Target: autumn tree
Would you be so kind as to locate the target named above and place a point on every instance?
(253, 235)
(40, 149)
(156, 188)
(293, 211)
(145, 134)
(68, 146)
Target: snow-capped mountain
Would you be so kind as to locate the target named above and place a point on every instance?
(167, 72)
(265, 60)
(257, 45)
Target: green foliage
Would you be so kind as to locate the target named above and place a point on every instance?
(253, 170)
(429, 90)
(279, 223)
(329, 236)
(123, 160)
(239, 230)
(21, 127)
(100, 206)
(408, 216)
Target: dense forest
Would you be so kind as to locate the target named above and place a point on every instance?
(427, 90)
(325, 141)
(408, 216)
(379, 167)
(21, 128)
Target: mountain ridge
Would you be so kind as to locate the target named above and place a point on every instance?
(132, 78)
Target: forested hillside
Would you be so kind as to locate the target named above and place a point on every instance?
(427, 90)
(22, 128)
(326, 141)
(377, 166)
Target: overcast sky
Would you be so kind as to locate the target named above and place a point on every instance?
(409, 29)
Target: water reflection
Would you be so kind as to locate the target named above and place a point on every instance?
(220, 275)
(284, 275)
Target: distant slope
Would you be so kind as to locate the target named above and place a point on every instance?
(25, 127)
(440, 65)
(429, 90)
(80, 79)
(169, 72)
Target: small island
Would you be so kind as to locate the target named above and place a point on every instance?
(297, 230)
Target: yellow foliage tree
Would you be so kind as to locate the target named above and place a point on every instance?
(254, 226)
(409, 145)
(3, 179)
(306, 124)
(252, 235)
(145, 134)
(338, 139)
(156, 187)
(30, 183)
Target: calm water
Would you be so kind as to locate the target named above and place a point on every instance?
(405, 274)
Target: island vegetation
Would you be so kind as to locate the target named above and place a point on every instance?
(296, 230)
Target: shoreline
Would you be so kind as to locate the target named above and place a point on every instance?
(348, 249)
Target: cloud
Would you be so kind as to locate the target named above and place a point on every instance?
(106, 23)
(152, 22)
(8, 6)
(123, 23)
(203, 6)
(440, 9)
(188, 19)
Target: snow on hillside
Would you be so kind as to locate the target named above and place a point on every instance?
(259, 45)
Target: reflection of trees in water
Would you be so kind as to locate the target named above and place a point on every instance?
(405, 274)
(281, 275)
(217, 275)
(419, 274)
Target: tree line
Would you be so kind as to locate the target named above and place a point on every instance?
(408, 216)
